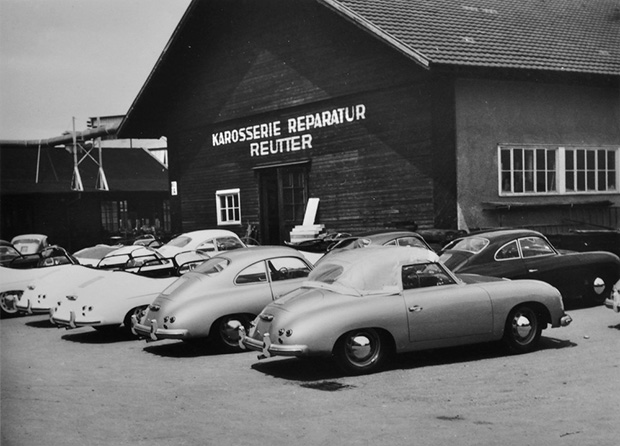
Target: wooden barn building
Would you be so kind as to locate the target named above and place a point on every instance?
(453, 114)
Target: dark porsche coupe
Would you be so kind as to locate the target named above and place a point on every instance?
(526, 254)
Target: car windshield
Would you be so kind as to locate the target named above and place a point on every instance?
(179, 241)
(360, 278)
(471, 244)
(214, 265)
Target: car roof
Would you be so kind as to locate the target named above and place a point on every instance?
(504, 234)
(207, 233)
(256, 253)
(29, 236)
(372, 269)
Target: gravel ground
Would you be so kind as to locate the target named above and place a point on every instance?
(82, 387)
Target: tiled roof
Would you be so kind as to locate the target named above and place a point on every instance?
(128, 170)
(561, 35)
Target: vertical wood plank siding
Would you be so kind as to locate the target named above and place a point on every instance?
(259, 62)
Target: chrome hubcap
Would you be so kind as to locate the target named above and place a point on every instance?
(230, 331)
(360, 347)
(598, 285)
(524, 326)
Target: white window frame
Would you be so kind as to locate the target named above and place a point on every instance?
(560, 181)
(228, 213)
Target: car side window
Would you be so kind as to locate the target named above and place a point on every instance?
(423, 275)
(252, 274)
(285, 268)
(508, 252)
(535, 247)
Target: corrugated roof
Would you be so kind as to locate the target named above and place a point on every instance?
(561, 35)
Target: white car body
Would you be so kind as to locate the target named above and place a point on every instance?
(107, 300)
(205, 241)
(13, 282)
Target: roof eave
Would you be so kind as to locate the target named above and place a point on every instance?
(123, 128)
(377, 32)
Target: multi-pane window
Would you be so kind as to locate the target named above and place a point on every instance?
(553, 170)
(113, 215)
(294, 198)
(591, 170)
(228, 204)
(528, 170)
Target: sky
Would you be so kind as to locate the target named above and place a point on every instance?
(66, 59)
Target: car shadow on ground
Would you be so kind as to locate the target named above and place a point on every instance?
(181, 350)
(617, 326)
(91, 336)
(41, 323)
(314, 372)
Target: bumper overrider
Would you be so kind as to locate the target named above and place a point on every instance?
(26, 307)
(267, 348)
(152, 332)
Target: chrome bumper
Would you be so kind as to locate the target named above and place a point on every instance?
(565, 320)
(153, 333)
(267, 348)
(71, 323)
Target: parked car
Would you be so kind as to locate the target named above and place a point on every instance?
(23, 270)
(228, 290)
(361, 306)
(42, 293)
(107, 299)
(30, 243)
(383, 237)
(527, 254)
(313, 249)
(92, 255)
(613, 301)
(210, 241)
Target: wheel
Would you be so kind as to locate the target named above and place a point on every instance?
(597, 290)
(134, 311)
(8, 301)
(361, 351)
(225, 334)
(523, 329)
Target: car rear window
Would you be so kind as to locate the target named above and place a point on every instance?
(214, 265)
(471, 244)
(179, 241)
(326, 273)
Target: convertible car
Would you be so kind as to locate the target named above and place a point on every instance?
(24, 269)
(524, 254)
(226, 291)
(43, 291)
(362, 306)
(106, 299)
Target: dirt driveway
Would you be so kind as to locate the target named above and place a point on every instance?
(82, 387)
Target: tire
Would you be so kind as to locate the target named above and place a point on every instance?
(7, 304)
(224, 336)
(523, 329)
(361, 351)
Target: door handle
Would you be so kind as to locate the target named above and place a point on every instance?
(532, 270)
(415, 308)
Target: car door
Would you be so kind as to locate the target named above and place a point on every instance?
(542, 262)
(439, 309)
(286, 274)
(507, 262)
